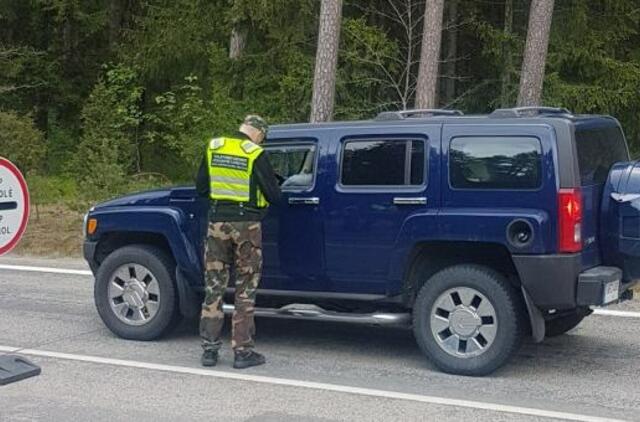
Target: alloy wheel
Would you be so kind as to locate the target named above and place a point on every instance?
(464, 322)
(134, 294)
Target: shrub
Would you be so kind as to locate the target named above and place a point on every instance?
(109, 147)
(45, 190)
(21, 142)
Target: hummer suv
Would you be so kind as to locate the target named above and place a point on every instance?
(476, 231)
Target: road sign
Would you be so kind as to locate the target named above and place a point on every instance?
(14, 205)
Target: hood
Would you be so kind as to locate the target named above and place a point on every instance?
(149, 198)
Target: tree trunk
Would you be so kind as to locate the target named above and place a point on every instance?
(452, 51)
(237, 42)
(324, 81)
(430, 54)
(535, 53)
(68, 39)
(116, 15)
(507, 53)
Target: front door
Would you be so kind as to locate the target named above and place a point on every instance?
(381, 181)
(293, 232)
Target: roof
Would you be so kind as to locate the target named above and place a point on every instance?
(421, 117)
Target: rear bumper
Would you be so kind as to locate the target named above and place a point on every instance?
(550, 280)
(558, 282)
(599, 286)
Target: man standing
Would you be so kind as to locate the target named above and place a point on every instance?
(237, 177)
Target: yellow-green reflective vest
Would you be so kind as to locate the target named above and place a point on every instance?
(230, 167)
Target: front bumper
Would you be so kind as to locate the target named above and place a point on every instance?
(89, 253)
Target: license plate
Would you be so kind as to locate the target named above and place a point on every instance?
(611, 291)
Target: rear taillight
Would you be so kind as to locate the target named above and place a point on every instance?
(569, 220)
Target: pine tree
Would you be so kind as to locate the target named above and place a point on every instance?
(535, 53)
(324, 82)
(430, 54)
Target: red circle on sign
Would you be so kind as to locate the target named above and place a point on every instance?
(25, 193)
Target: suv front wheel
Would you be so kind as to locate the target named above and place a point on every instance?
(468, 320)
(135, 292)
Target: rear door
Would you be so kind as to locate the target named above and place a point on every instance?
(498, 170)
(379, 181)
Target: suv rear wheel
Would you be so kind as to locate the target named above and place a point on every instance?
(468, 320)
(135, 292)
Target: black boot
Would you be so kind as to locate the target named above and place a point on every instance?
(209, 358)
(247, 359)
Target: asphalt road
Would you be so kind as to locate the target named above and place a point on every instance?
(315, 371)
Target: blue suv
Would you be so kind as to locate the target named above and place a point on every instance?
(475, 230)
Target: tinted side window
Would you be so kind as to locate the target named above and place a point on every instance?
(294, 165)
(598, 149)
(383, 163)
(495, 163)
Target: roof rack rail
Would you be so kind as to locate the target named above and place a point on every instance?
(528, 111)
(403, 114)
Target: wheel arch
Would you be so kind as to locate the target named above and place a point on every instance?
(428, 258)
(162, 227)
(112, 241)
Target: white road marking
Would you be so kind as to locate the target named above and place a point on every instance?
(598, 311)
(495, 407)
(44, 269)
(612, 312)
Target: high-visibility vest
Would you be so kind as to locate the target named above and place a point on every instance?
(230, 168)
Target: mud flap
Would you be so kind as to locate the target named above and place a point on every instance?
(16, 368)
(189, 301)
(535, 318)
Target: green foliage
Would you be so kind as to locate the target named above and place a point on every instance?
(371, 74)
(45, 190)
(124, 95)
(62, 143)
(110, 144)
(594, 61)
(170, 39)
(181, 121)
(21, 142)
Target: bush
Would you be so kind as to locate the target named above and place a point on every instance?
(99, 170)
(21, 142)
(45, 190)
(109, 147)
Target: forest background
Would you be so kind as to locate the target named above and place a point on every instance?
(101, 97)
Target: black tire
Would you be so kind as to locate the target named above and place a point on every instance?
(163, 268)
(558, 326)
(502, 296)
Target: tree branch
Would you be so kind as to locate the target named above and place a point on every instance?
(12, 88)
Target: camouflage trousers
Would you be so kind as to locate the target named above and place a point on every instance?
(236, 245)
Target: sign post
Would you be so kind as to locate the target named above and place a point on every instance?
(14, 214)
(14, 206)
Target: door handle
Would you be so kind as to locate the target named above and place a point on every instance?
(400, 200)
(304, 201)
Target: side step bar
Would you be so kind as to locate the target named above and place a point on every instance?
(314, 312)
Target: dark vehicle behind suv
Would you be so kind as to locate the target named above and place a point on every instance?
(475, 230)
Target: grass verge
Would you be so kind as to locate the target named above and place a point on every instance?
(53, 231)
